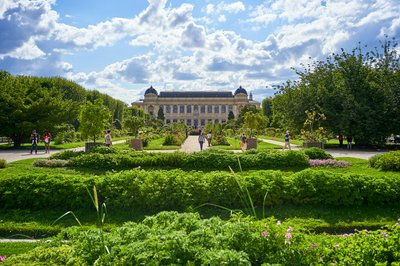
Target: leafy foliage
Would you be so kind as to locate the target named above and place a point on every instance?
(387, 162)
(93, 119)
(317, 153)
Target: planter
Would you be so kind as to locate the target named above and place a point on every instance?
(311, 144)
(89, 145)
(251, 143)
(137, 144)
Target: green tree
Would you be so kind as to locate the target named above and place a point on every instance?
(94, 118)
(254, 121)
(231, 115)
(134, 119)
(267, 107)
(160, 114)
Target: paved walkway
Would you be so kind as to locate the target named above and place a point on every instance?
(191, 144)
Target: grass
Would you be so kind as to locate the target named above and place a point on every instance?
(13, 248)
(157, 144)
(235, 145)
(281, 139)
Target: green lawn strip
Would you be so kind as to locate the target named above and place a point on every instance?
(235, 145)
(12, 248)
(157, 144)
(292, 141)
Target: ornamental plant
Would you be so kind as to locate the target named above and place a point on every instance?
(312, 131)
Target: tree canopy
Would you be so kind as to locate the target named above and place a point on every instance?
(358, 92)
(94, 118)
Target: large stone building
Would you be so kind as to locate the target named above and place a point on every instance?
(195, 108)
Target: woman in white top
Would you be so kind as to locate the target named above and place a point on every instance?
(201, 140)
(108, 138)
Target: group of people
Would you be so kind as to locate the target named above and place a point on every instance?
(208, 137)
(349, 141)
(35, 139)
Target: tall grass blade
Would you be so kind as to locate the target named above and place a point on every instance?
(65, 214)
(263, 207)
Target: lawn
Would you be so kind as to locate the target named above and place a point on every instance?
(157, 144)
(235, 145)
(292, 141)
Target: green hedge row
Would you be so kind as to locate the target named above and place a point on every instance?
(177, 189)
(170, 238)
(217, 160)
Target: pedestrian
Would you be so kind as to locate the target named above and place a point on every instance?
(201, 140)
(108, 139)
(35, 138)
(287, 141)
(47, 139)
(349, 142)
(243, 143)
(340, 138)
(209, 136)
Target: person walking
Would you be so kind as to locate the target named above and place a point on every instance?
(243, 143)
(287, 141)
(209, 137)
(108, 139)
(201, 140)
(349, 142)
(340, 138)
(47, 139)
(35, 138)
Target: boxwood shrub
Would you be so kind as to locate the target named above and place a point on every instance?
(317, 153)
(387, 162)
(178, 189)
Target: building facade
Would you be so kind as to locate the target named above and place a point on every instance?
(195, 108)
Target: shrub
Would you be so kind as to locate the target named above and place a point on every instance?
(170, 238)
(3, 163)
(171, 140)
(51, 163)
(374, 159)
(317, 153)
(387, 162)
(66, 155)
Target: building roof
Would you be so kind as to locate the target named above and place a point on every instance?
(196, 94)
(240, 90)
(150, 90)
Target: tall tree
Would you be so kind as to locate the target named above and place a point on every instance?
(94, 118)
(160, 114)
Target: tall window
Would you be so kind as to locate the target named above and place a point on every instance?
(230, 108)
(168, 108)
(203, 122)
(223, 109)
(175, 109)
(188, 109)
(202, 109)
(195, 108)
(209, 108)
(216, 109)
(189, 122)
(181, 109)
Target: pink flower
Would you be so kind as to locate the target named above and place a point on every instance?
(2, 258)
(264, 233)
(384, 234)
(288, 235)
(314, 245)
(289, 229)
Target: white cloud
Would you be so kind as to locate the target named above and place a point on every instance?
(27, 51)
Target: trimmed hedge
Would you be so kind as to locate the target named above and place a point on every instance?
(317, 153)
(170, 238)
(387, 162)
(177, 189)
(199, 160)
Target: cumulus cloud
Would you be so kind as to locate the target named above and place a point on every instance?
(193, 36)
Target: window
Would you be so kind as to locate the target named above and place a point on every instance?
(168, 121)
(203, 122)
(195, 108)
(181, 109)
(216, 109)
(209, 108)
(230, 108)
(223, 121)
(216, 121)
(223, 109)
(168, 108)
(196, 122)
(175, 109)
(203, 109)
(189, 122)
(174, 120)
(188, 109)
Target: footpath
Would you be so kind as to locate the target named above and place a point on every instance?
(190, 145)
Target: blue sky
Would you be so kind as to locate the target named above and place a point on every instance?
(122, 47)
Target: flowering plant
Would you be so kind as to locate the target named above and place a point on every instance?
(328, 162)
(312, 131)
